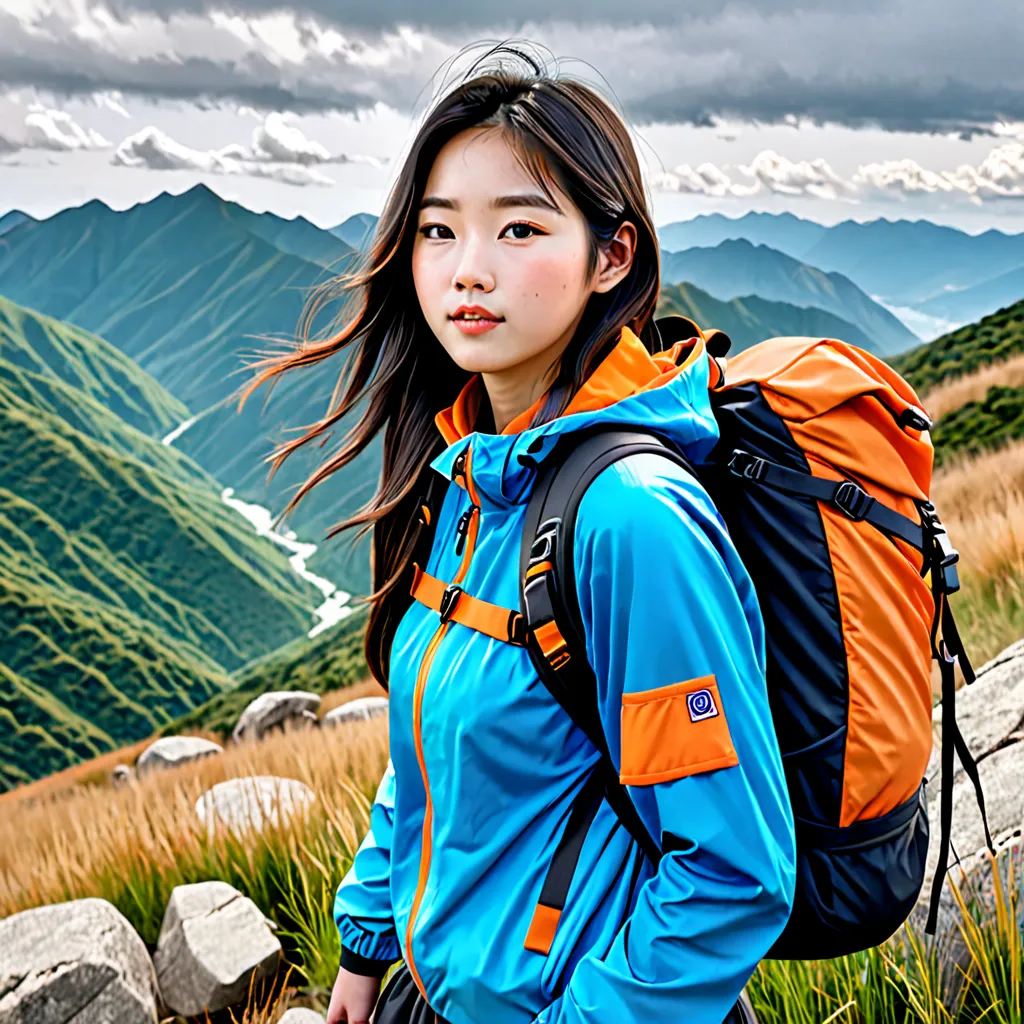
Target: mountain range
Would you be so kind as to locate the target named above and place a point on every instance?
(925, 266)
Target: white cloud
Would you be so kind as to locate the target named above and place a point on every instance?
(277, 140)
(999, 176)
(156, 150)
(767, 172)
(279, 150)
(44, 128)
(777, 174)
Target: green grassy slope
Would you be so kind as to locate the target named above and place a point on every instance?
(751, 319)
(331, 660)
(979, 425)
(128, 590)
(57, 351)
(965, 350)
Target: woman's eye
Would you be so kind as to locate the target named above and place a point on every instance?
(521, 224)
(526, 231)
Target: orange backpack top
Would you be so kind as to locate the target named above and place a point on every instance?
(822, 475)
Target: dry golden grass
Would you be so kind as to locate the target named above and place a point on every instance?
(335, 698)
(953, 394)
(981, 502)
(97, 770)
(60, 843)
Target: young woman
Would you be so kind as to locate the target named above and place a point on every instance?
(510, 281)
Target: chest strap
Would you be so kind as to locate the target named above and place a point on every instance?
(453, 603)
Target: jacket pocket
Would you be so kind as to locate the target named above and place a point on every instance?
(674, 731)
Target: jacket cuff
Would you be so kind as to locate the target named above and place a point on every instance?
(357, 964)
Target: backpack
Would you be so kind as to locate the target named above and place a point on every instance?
(821, 475)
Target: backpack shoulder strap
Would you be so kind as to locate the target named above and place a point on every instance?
(548, 600)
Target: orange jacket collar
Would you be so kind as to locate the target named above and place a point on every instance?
(628, 369)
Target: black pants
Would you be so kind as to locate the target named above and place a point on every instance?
(401, 1003)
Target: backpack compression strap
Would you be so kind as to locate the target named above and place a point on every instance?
(554, 626)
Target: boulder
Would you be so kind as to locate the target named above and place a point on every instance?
(359, 710)
(301, 1016)
(990, 712)
(214, 943)
(121, 776)
(171, 751)
(270, 710)
(250, 801)
(74, 963)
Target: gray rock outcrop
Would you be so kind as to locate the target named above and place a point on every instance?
(214, 943)
(272, 710)
(252, 801)
(79, 962)
(990, 713)
(359, 710)
(172, 751)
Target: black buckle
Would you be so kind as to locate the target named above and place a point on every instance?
(748, 466)
(543, 546)
(916, 419)
(517, 629)
(853, 501)
(449, 599)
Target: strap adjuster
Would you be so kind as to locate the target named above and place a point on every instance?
(449, 599)
(748, 466)
(853, 501)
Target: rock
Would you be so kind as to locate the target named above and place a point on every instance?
(990, 710)
(121, 776)
(273, 709)
(213, 944)
(301, 1016)
(1001, 774)
(249, 802)
(171, 751)
(1015, 650)
(359, 710)
(74, 963)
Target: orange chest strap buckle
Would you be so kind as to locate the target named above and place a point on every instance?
(454, 605)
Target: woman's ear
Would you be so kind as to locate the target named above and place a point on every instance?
(615, 258)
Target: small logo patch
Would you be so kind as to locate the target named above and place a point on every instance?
(701, 705)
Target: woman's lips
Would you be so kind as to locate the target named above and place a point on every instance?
(475, 326)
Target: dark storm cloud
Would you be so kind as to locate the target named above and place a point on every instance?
(916, 65)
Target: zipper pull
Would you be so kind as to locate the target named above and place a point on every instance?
(461, 529)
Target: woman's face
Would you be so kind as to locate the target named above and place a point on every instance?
(487, 236)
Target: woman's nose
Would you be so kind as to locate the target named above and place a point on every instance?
(472, 270)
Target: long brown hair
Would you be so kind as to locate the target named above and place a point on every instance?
(560, 130)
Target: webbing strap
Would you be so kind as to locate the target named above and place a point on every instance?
(452, 602)
(555, 889)
(948, 651)
(848, 497)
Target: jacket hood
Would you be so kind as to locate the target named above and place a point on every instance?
(666, 392)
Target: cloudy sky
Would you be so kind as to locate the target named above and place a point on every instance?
(826, 108)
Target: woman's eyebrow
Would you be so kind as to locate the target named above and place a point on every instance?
(523, 199)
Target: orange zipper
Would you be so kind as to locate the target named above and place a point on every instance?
(417, 731)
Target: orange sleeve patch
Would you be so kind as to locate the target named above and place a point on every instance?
(674, 731)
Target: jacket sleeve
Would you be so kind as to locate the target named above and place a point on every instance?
(675, 638)
(362, 905)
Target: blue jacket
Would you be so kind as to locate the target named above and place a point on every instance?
(485, 764)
